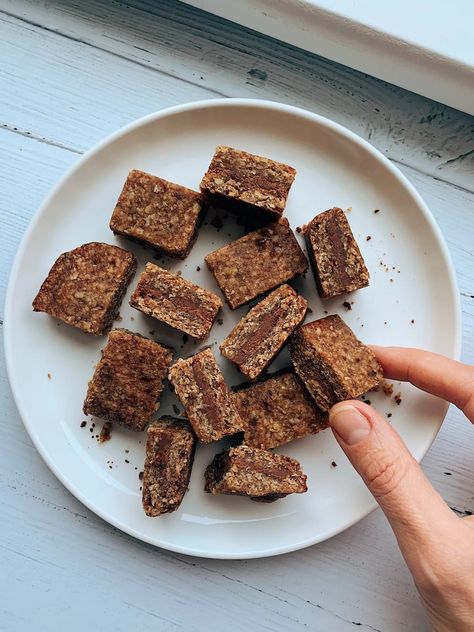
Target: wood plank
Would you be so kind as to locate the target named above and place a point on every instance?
(214, 57)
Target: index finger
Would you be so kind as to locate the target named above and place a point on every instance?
(431, 372)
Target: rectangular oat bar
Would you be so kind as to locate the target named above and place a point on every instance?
(260, 335)
(128, 380)
(332, 362)
(261, 475)
(85, 286)
(201, 388)
(336, 260)
(257, 263)
(278, 410)
(159, 213)
(175, 301)
(247, 184)
(169, 459)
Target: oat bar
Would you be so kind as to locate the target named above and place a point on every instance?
(209, 406)
(278, 410)
(128, 380)
(259, 474)
(85, 286)
(336, 260)
(247, 184)
(257, 263)
(175, 301)
(261, 334)
(332, 362)
(158, 213)
(170, 450)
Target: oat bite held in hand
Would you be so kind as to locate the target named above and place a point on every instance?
(260, 335)
(261, 475)
(332, 362)
(247, 184)
(128, 380)
(257, 263)
(169, 459)
(208, 403)
(85, 286)
(175, 301)
(158, 213)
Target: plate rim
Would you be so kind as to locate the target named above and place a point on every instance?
(111, 138)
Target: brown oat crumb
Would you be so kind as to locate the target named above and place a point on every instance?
(220, 321)
(49, 376)
(398, 399)
(334, 464)
(217, 222)
(347, 305)
(387, 389)
(368, 238)
(179, 273)
(198, 268)
(349, 209)
(119, 318)
(83, 424)
(105, 433)
(377, 210)
(140, 476)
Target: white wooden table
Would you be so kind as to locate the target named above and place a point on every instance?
(73, 71)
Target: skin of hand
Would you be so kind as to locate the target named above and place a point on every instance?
(438, 546)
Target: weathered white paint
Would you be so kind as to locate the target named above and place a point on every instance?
(70, 74)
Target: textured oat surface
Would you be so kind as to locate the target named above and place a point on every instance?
(248, 178)
(257, 262)
(336, 260)
(332, 362)
(260, 474)
(128, 380)
(169, 459)
(175, 301)
(278, 410)
(85, 286)
(260, 335)
(209, 405)
(159, 213)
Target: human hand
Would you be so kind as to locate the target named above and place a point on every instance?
(438, 546)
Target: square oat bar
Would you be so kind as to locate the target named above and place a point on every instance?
(85, 286)
(332, 362)
(128, 380)
(159, 213)
(175, 301)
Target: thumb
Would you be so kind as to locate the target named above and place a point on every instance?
(416, 512)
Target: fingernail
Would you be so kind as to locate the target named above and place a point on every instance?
(349, 424)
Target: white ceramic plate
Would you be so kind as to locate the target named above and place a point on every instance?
(412, 280)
